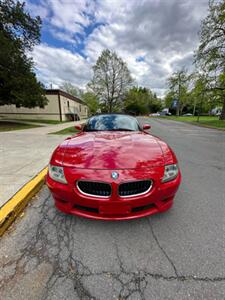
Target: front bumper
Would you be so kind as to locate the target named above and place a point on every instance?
(70, 200)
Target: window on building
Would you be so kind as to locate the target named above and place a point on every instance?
(80, 108)
(68, 103)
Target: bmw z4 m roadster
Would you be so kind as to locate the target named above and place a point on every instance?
(112, 170)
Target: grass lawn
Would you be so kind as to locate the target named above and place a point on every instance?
(53, 122)
(207, 121)
(9, 126)
(68, 131)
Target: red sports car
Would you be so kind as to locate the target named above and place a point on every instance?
(113, 170)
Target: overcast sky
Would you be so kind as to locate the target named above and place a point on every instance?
(154, 37)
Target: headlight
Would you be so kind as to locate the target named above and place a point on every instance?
(170, 172)
(57, 173)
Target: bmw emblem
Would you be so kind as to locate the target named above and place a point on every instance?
(114, 175)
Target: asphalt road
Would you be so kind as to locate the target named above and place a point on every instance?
(179, 254)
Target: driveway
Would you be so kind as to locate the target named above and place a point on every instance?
(23, 153)
(179, 254)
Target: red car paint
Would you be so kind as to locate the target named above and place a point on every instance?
(93, 156)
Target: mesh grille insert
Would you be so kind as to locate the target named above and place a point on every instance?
(95, 188)
(134, 187)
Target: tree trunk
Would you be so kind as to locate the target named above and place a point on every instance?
(110, 107)
(222, 116)
(181, 110)
(200, 108)
(178, 108)
(194, 108)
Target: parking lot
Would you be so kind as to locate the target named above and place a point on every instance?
(179, 254)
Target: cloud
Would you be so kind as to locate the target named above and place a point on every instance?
(163, 34)
(56, 65)
(37, 9)
(69, 17)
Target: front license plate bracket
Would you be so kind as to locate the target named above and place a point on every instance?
(114, 209)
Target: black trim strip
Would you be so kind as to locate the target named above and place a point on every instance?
(60, 109)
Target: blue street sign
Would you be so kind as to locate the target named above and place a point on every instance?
(174, 103)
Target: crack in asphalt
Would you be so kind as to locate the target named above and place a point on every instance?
(162, 249)
(53, 241)
(136, 283)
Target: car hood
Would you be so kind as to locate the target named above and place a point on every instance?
(112, 150)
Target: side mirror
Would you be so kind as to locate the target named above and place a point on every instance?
(78, 127)
(146, 126)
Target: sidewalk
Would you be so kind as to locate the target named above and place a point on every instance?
(24, 153)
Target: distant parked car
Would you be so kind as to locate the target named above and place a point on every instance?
(164, 113)
(154, 114)
(216, 111)
(187, 115)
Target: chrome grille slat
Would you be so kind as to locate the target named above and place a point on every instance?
(134, 188)
(94, 188)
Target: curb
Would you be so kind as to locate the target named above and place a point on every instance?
(207, 126)
(14, 206)
(192, 123)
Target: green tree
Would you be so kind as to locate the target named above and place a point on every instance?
(210, 56)
(155, 104)
(136, 101)
(71, 89)
(199, 95)
(111, 80)
(19, 32)
(169, 98)
(140, 100)
(178, 87)
(92, 102)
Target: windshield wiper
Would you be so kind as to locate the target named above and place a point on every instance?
(122, 129)
(116, 129)
(88, 130)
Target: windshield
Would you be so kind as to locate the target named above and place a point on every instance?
(112, 123)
